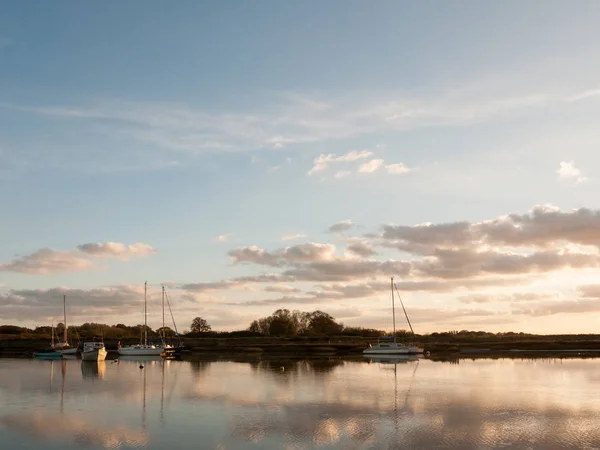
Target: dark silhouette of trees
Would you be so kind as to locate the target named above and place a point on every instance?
(199, 325)
(287, 323)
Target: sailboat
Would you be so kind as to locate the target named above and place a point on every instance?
(50, 352)
(143, 348)
(170, 351)
(394, 348)
(64, 347)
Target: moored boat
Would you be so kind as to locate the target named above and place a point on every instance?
(94, 351)
(144, 348)
(384, 346)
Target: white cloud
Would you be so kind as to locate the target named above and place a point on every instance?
(273, 169)
(322, 161)
(397, 168)
(568, 171)
(223, 237)
(371, 166)
(292, 237)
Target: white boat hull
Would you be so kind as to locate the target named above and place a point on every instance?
(392, 349)
(97, 354)
(141, 350)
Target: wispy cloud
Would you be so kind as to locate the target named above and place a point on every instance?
(293, 237)
(223, 237)
(287, 119)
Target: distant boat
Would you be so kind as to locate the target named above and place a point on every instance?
(143, 348)
(48, 352)
(393, 348)
(64, 347)
(94, 351)
(170, 351)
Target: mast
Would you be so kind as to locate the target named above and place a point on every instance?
(393, 308)
(145, 314)
(52, 333)
(65, 316)
(163, 314)
(405, 313)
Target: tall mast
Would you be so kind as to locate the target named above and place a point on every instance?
(405, 313)
(65, 316)
(52, 332)
(393, 308)
(145, 314)
(163, 314)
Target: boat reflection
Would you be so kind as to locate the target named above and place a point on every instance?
(392, 359)
(93, 369)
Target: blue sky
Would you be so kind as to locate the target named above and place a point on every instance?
(162, 127)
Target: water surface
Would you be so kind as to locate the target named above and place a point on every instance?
(285, 404)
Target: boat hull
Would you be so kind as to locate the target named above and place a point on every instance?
(69, 351)
(97, 354)
(46, 355)
(392, 349)
(141, 351)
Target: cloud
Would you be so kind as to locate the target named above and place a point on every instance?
(44, 304)
(516, 297)
(341, 227)
(292, 237)
(116, 249)
(371, 166)
(543, 227)
(223, 237)
(283, 288)
(568, 171)
(397, 168)
(361, 248)
(322, 161)
(467, 263)
(273, 169)
(48, 261)
(342, 174)
(300, 253)
(560, 307)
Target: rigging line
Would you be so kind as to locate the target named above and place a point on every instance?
(172, 317)
(404, 309)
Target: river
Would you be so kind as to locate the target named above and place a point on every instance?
(300, 404)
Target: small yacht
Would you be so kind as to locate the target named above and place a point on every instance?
(94, 351)
(144, 348)
(388, 345)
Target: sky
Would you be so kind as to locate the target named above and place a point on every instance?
(266, 155)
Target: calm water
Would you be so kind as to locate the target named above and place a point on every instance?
(171, 405)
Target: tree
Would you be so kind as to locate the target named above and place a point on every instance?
(322, 323)
(199, 325)
(166, 332)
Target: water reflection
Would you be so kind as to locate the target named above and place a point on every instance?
(93, 369)
(278, 403)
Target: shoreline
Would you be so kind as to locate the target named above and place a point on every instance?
(337, 347)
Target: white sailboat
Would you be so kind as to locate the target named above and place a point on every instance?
(143, 348)
(64, 347)
(394, 348)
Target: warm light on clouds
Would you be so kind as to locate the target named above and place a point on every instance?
(47, 261)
